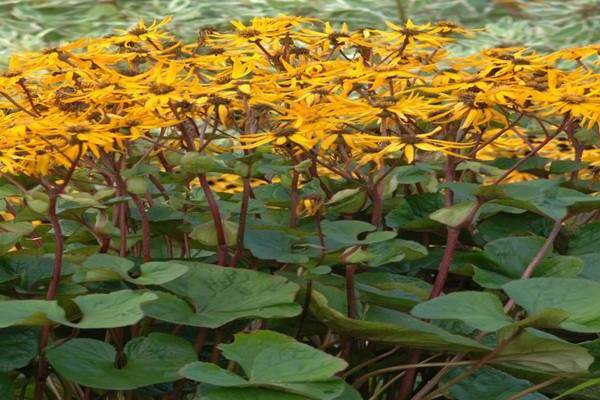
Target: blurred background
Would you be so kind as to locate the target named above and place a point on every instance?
(543, 25)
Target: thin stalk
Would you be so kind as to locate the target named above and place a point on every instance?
(146, 251)
(309, 284)
(42, 372)
(294, 199)
(243, 217)
(16, 104)
(217, 221)
(485, 359)
(408, 380)
(537, 258)
(533, 151)
(383, 388)
(371, 361)
(359, 382)
(535, 388)
(377, 198)
(444, 268)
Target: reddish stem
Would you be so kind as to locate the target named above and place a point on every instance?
(42, 373)
(408, 379)
(216, 216)
(444, 268)
(146, 251)
(242, 223)
(294, 199)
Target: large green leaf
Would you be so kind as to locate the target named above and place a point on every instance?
(267, 356)
(510, 256)
(273, 360)
(391, 290)
(586, 239)
(344, 233)
(507, 224)
(111, 310)
(386, 326)
(479, 310)
(414, 211)
(267, 243)
(29, 312)
(538, 196)
(34, 272)
(537, 350)
(392, 251)
(220, 295)
(106, 267)
(18, 346)
(149, 360)
(579, 298)
(454, 215)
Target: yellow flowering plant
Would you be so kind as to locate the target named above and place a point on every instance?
(418, 221)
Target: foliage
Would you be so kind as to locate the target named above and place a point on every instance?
(295, 209)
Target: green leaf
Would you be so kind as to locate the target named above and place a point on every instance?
(105, 267)
(455, 215)
(388, 290)
(414, 211)
(271, 244)
(18, 346)
(538, 196)
(347, 201)
(565, 166)
(395, 251)
(344, 233)
(578, 388)
(250, 393)
(34, 272)
(543, 352)
(159, 272)
(585, 240)
(212, 374)
(580, 298)
(149, 360)
(479, 310)
(490, 384)
(220, 295)
(29, 312)
(270, 359)
(559, 267)
(510, 256)
(267, 356)
(387, 326)
(505, 224)
(111, 310)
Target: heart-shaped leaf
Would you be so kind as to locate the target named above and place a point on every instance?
(149, 360)
(385, 325)
(479, 310)
(106, 267)
(220, 295)
(273, 360)
(579, 298)
(18, 346)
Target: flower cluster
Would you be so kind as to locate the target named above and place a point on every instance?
(346, 98)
